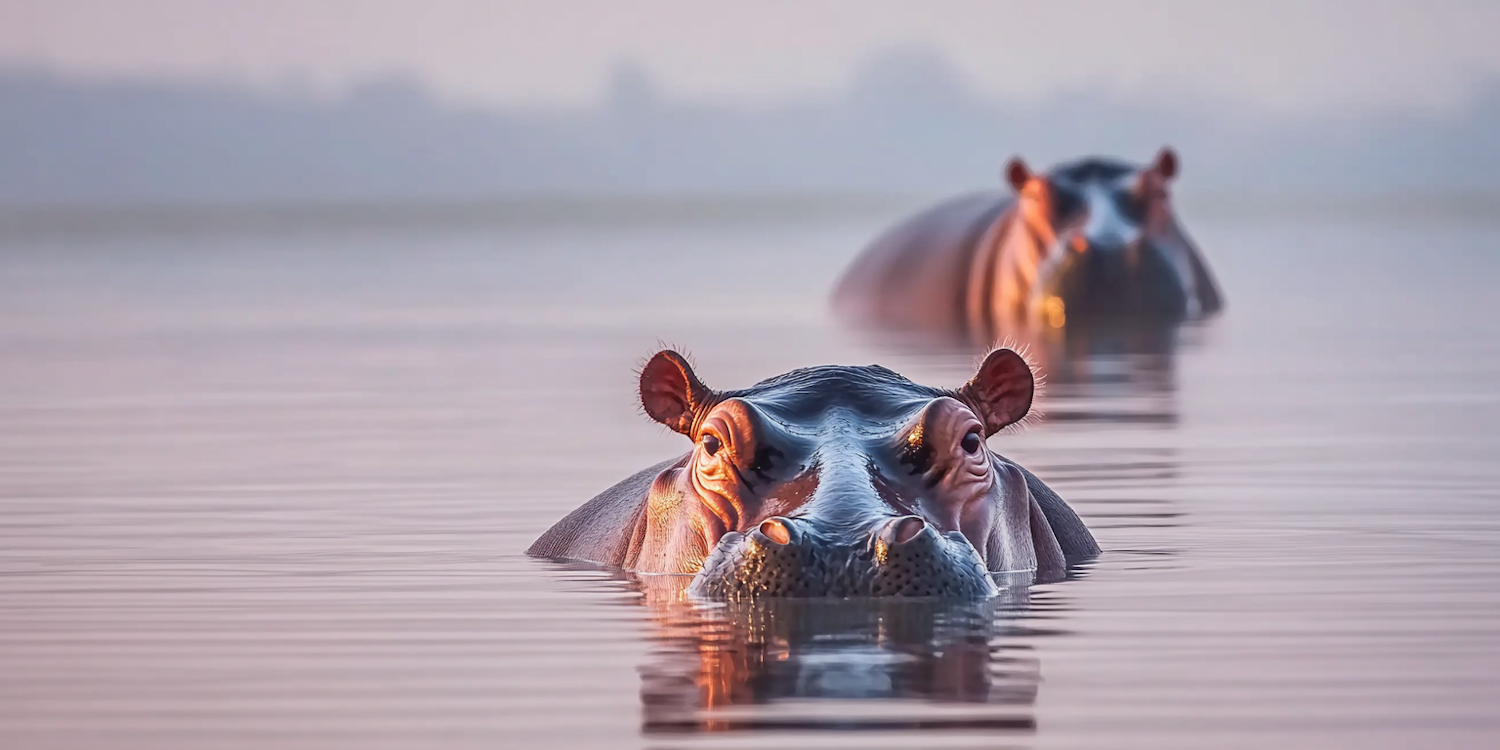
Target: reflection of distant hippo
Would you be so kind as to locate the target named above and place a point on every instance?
(830, 481)
(1092, 240)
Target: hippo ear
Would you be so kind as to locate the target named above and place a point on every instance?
(1017, 173)
(1166, 163)
(1000, 393)
(670, 392)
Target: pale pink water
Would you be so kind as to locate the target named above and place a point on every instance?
(270, 488)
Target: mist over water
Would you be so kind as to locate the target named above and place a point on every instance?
(906, 122)
(269, 483)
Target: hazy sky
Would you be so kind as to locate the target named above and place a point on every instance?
(1271, 54)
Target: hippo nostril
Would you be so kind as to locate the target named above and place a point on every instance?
(776, 530)
(902, 530)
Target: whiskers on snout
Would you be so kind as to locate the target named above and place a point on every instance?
(904, 557)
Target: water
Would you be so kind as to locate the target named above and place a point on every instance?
(268, 484)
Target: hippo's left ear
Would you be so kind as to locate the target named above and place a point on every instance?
(671, 393)
(1001, 392)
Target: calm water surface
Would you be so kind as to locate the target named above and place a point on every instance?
(270, 487)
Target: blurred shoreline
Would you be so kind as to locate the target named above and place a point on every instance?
(32, 223)
(908, 123)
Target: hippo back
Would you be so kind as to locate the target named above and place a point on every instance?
(601, 530)
(915, 276)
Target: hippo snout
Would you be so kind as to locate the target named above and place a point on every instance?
(793, 557)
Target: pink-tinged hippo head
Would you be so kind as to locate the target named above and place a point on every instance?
(1107, 243)
(831, 481)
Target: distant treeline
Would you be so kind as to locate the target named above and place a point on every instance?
(905, 124)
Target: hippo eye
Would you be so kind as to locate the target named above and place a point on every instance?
(711, 444)
(971, 442)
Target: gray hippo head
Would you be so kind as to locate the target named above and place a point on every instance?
(830, 481)
(1108, 242)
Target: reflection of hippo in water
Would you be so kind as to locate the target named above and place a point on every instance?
(808, 664)
(1090, 241)
(830, 481)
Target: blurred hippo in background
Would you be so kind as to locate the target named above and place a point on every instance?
(831, 481)
(1089, 242)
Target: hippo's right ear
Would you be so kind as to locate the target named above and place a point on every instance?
(1001, 392)
(1017, 173)
(671, 393)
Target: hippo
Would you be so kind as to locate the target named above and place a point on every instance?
(1090, 241)
(831, 481)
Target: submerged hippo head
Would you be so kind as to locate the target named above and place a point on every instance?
(830, 481)
(1108, 242)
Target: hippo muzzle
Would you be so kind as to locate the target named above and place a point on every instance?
(1097, 281)
(902, 556)
(831, 482)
